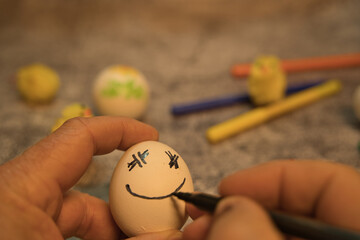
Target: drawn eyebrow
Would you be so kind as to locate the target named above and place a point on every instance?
(173, 160)
(136, 161)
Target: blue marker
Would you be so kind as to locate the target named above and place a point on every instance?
(186, 108)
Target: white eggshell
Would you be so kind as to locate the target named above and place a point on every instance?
(121, 91)
(146, 170)
(356, 102)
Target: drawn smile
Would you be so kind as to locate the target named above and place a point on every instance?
(158, 197)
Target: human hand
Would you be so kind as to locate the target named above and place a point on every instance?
(35, 202)
(321, 190)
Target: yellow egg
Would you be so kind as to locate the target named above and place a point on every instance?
(121, 91)
(37, 83)
(267, 82)
(141, 187)
(71, 111)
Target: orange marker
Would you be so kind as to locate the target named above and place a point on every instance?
(307, 64)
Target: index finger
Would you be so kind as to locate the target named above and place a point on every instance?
(64, 155)
(324, 190)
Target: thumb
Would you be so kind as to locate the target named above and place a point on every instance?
(241, 218)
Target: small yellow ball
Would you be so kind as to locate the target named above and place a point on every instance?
(37, 83)
(267, 81)
(71, 111)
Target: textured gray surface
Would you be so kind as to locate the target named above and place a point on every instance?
(185, 49)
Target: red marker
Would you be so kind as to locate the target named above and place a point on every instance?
(307, 64)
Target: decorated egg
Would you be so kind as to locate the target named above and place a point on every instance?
(141, 189)
(121, 91)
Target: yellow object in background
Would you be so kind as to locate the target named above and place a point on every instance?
(267, 81)
(37, 83)
(71, 111)
(263, 114)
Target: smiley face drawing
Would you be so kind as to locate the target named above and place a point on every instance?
(141, 188)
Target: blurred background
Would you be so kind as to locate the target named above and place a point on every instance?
(185, 49)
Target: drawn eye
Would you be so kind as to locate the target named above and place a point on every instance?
(136, 161)
(173, 160)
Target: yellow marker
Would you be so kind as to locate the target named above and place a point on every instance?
(262, 114)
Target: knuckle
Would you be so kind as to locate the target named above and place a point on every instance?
(235, 203)
(76, 122)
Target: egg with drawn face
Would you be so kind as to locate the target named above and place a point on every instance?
(141, 189)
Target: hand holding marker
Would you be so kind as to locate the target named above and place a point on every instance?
(292, 225)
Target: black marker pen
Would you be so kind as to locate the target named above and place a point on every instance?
(292, 225)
